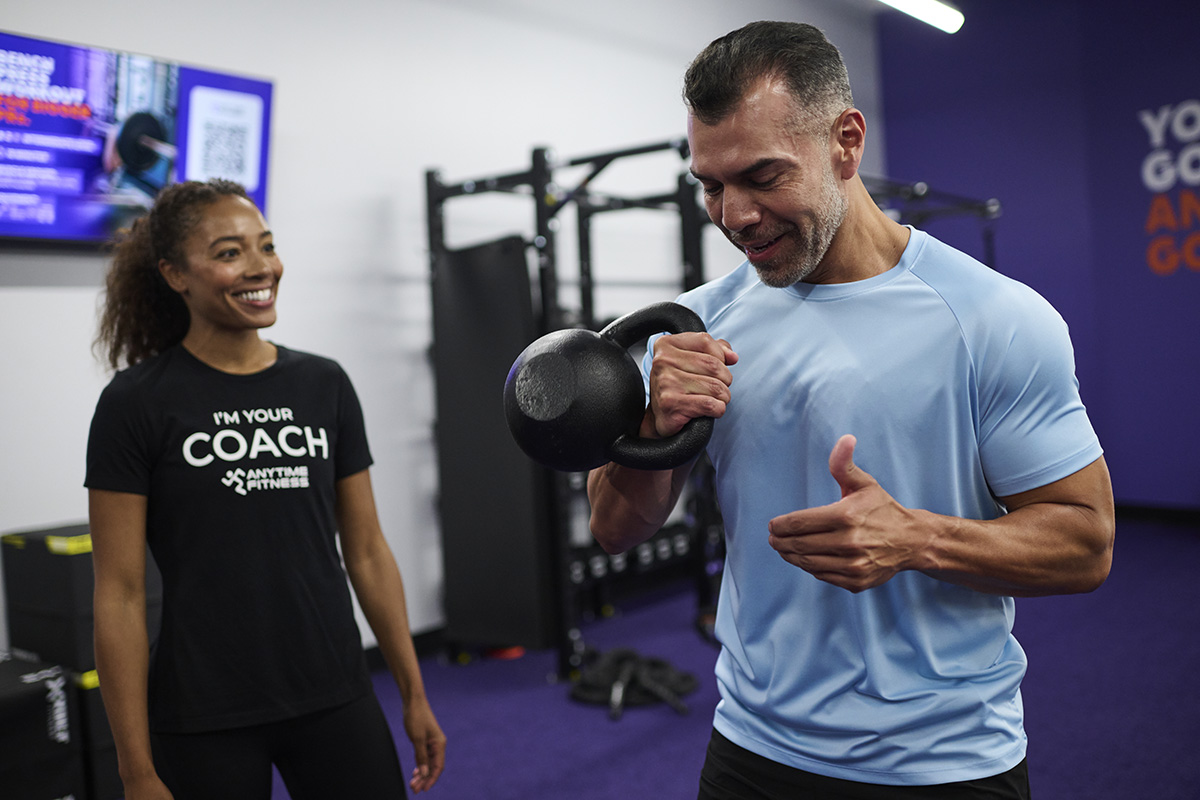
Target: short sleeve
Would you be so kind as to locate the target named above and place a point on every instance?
(1034, 428)
(119, 449)
(353, 453)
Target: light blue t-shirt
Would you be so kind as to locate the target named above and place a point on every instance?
(959, 385)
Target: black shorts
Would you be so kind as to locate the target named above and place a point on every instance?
(734, 773)
(346, 751)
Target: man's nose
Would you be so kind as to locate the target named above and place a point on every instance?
(738, 210)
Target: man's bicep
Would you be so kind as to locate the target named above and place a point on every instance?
(1090, 487)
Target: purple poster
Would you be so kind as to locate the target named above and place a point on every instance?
(88, 137)
(1143, 101)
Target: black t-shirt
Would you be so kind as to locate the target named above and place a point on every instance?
(239, 471)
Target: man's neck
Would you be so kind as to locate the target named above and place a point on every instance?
(867, 244)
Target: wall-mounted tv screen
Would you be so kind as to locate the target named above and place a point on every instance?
(88, 137)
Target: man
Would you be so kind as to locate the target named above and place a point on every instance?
(900, 449)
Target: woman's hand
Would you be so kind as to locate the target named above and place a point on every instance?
(429, 744)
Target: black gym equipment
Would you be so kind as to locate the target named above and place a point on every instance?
(501, 565)
(520, 566)
(916, 204)
(574, 399)
(623, 678)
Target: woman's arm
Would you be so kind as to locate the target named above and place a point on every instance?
(118, 527)
(380, 591)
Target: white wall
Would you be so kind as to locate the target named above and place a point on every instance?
(370, 94)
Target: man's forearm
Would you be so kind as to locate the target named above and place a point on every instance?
(630, 505)
(1037, 550)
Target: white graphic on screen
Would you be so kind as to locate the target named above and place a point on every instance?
(224, 136)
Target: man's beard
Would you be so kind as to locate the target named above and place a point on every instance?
(810, 243)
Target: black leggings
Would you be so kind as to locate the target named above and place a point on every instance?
(733, 773)
(346, 751)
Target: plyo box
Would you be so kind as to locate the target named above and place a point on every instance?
(40, 741)
(48, 584)
(99, 750)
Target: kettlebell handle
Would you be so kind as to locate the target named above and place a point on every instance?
(682, 447)
(655, 318)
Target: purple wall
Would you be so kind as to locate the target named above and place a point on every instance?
(1038, 105)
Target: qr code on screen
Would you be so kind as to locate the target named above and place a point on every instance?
(225, 136)
(225, 149)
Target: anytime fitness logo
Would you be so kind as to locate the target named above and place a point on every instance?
(1173, 222)
(233, 446)
(58, 724)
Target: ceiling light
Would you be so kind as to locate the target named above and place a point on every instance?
(933, 12)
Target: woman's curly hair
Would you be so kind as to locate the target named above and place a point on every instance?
(142, 315)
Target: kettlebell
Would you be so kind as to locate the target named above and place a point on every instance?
(574, 399)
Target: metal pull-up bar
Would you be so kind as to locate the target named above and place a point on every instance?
(549, 200)
(920, 203)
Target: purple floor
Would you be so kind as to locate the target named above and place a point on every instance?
(1112, 709)
(1111, 712)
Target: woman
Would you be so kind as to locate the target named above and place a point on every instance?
(241, 463)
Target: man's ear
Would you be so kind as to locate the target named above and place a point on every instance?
(848, 140)
(173, 275)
